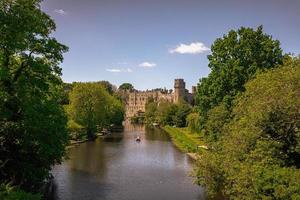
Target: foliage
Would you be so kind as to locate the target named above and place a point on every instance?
(91, 106)
(123, 92)
(116, 111)
(259, 155)
(150, 114)
(183, 139)
(182, 111)
(217, 117)
(67, 87)
(167, 113)
(33, 132)
(107, 86)
(74, 129)
(137, 119)
(126, 87)
(193, 122)
(8, 192)
(235, 59)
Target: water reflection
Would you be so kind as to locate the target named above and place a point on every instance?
(153, 133)
(117, 167)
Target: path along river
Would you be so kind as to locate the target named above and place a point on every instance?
(119, 168)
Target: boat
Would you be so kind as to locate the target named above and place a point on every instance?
(138, 139)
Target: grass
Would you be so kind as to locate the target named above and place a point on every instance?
(185, 140)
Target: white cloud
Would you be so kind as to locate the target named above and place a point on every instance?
(114, 70)
(60, 11)
(193, 48)
(118, 70)
(147, 65)
(122, 63)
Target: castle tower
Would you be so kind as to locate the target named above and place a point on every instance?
(179, 90)
(194, 90)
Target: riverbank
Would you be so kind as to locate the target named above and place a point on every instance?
(187, 142)
(73, 143)
(83, 138)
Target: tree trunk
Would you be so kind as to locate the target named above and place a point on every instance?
(90, 134)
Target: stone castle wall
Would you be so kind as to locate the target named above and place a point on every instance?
(137, 100)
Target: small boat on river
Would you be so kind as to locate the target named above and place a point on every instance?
(138, 139)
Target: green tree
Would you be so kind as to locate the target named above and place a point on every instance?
(126, 87)
(89, 106)
(181, 113)
(165, 112)
(235, 59)
(259, 155)
(116, 111)
(217, 117)
(150, 113)
(32, 123)
(193, 122)
(93, 107)
(65, 97)
(107, 86)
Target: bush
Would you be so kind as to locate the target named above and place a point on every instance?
(75, 130)
(216, 119)
(9, 193)
(193, 122)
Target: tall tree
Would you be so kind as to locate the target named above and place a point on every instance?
(182, 111)
(32, 123)
(234, 59)
(92, 106)
(108, 86)
(126, 87)
(88, 106)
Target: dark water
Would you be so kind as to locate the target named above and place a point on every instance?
(119, 168)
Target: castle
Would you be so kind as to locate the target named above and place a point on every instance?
(137, 100)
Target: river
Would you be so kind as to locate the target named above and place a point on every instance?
(119, 168)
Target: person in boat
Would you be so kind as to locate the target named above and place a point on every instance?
(138, 139)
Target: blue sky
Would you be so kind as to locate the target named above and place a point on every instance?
(149, 43)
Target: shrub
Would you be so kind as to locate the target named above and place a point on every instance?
(216, 119)
(193, 122)
(10, 193)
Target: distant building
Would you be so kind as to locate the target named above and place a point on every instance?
(137, 100)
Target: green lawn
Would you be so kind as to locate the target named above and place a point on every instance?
(184, 139)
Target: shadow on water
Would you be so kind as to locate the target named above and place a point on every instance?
(118, 167)
(153, 133)
(113, 137)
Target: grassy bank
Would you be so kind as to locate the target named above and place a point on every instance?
(8, 192)
(185, 140)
